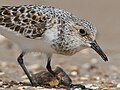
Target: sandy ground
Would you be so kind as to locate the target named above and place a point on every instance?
(85, 67)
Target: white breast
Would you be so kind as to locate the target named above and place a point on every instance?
(26, 44)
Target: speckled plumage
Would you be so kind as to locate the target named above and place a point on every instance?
(40, 28)
(33, 22)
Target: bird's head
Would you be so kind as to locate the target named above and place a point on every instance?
(87, 36)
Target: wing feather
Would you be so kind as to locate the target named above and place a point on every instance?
(24, 20)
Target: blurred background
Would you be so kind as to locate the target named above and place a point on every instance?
(104, 14)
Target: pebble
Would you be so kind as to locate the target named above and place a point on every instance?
(95, 78)
(20, 88)
(84, 78)
(110, 85)
(24, 77)
(1, 83)
(118, 85)
(2, 73)
(39, 87)
(77, 89)
(88, 85)
(105, 88)
(91, 86)
(74, 73)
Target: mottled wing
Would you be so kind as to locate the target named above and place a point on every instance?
(24, 20)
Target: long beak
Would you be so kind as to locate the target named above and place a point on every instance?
(96, 47)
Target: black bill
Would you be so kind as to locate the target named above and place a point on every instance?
(96, 47)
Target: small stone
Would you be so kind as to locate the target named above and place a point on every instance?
(110, 85)
(5, 82)
(77, 89)
(6, 86)
(88, 85)
(105, 88)
(20, 88)
(92, 87)
(24, 77)
(94, 78)
(2, 73)
(1, 83)
(25, 87)
(84, 78)
(39, 87)
(74, 73)
(118, 85)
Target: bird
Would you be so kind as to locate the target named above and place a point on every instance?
(47, 29)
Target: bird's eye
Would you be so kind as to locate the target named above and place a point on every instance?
(82, 32)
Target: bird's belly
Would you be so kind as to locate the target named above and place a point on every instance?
(26, 44)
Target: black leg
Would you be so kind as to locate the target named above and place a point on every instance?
(53, 73)
(49, 66)
(20, 61)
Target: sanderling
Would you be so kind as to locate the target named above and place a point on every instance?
(46, 29)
